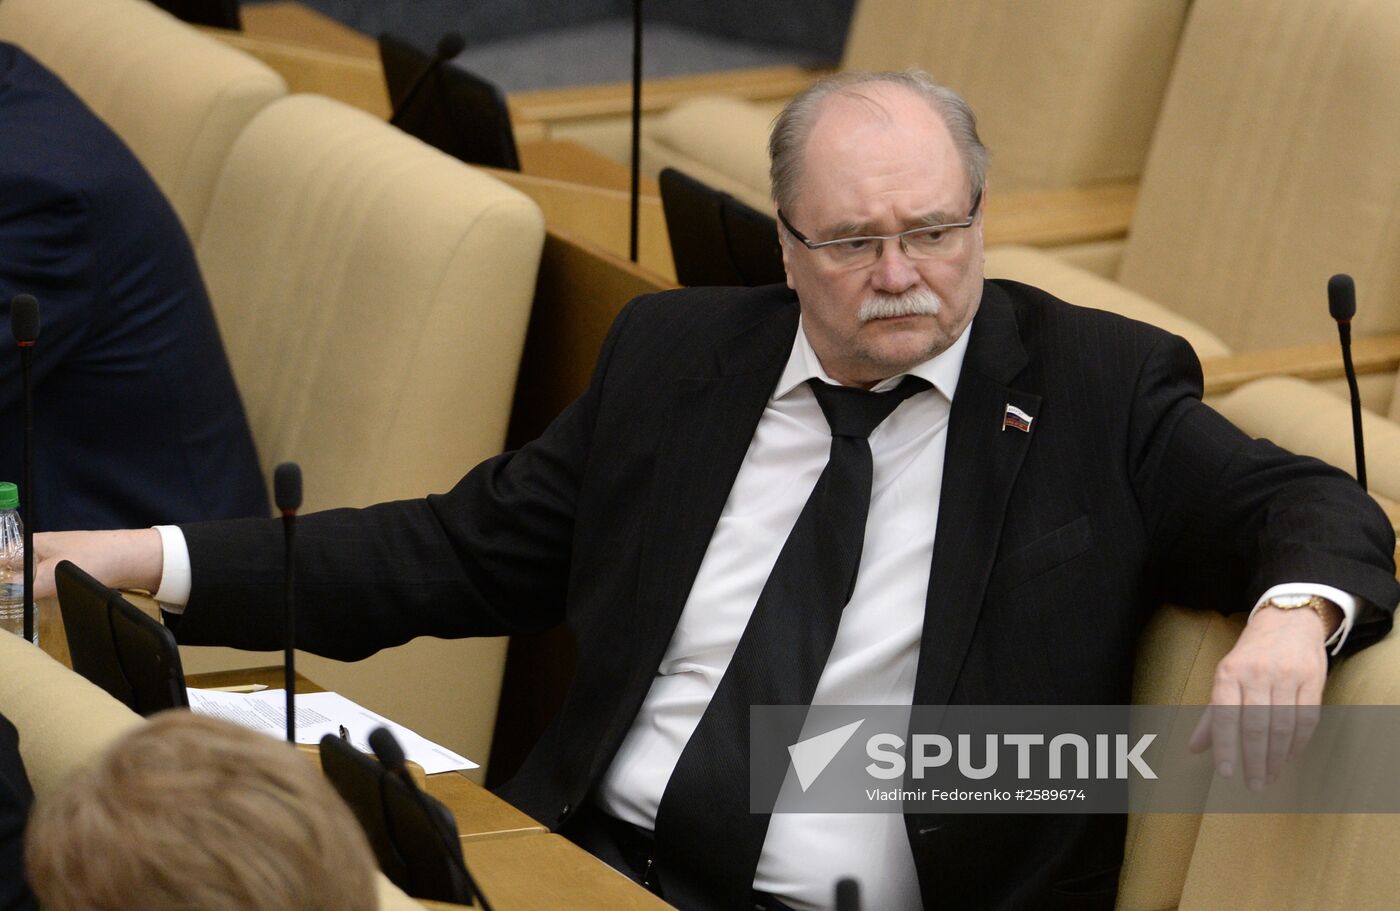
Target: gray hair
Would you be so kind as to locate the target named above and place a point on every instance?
(794, 124)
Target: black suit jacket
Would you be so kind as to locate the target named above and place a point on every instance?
(136, 417)
(1053, 546)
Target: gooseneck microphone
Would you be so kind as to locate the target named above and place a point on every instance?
(847, 895)
(634, 196)
(448, 46)
(24, 324)
(390, 754)
(286, 491)
(1341, 303)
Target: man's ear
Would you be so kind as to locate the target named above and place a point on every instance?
(785, 245)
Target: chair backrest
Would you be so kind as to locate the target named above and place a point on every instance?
(447, 106)
(1275, 165)
(217, 13)
(715, 238)
(1066, 91)
(175, 96)
(118, 647)
(373, 295)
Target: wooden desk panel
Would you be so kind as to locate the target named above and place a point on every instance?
(561, 159)
(352, 78)
(269, 676)
(480, 814)
(549, 872)
(294, 23)
(580, 290)
(1056, 217)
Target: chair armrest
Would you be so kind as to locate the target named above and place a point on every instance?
(1046, 218)
(1375, 354)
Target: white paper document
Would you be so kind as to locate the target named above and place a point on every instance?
(319, 714)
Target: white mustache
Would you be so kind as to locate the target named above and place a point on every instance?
(914, 302)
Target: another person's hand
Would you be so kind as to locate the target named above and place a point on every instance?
(1265, 698)
(122, 559)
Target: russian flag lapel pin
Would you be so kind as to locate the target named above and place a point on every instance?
(1016, 419)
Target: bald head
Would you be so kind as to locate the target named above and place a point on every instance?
(793, 127)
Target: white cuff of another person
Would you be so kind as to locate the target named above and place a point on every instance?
(174, 591)
(1344, 600)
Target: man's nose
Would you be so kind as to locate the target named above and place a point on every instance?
(894, 271)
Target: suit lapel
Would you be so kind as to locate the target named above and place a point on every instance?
(981, 463)
(714, 410)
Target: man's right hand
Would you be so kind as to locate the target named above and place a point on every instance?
(132, 558)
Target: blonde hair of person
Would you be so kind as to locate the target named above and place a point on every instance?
(188, 813)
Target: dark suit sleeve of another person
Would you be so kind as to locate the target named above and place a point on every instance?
(1230, 516)
(15, 799)
(490, 557)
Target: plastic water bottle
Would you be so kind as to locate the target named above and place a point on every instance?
(11, 561)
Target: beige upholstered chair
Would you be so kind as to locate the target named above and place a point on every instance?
(1273, 166)
(373, 296)
(64, 721)
(1305, 860)
(1066, 91)
(1254, 861)
(176, 97)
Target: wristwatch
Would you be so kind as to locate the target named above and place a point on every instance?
(1330, 613)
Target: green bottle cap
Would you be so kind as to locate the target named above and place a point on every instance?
(9, 495)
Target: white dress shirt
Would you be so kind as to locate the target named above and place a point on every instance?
(875, 654)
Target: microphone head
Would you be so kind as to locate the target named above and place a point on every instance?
(450, 45)
(1341, 297)
(387, 749)
(24, 318)
(286, 486)
(847, 895)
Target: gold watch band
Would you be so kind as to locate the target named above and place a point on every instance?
(1327, 611)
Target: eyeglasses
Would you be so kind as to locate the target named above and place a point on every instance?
(923, 242)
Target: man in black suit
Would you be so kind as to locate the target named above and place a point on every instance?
(136, 418)
(1056, 480)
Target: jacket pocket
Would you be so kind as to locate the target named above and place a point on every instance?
(1041, 555)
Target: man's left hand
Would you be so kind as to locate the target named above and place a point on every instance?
(1280, 665)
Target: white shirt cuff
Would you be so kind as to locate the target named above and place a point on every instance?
(174, 591)
(1344, 600)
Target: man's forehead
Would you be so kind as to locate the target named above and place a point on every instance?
(885, 135)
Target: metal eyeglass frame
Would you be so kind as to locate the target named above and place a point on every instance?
(922, 229)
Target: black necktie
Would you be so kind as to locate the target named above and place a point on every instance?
(707, 841)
